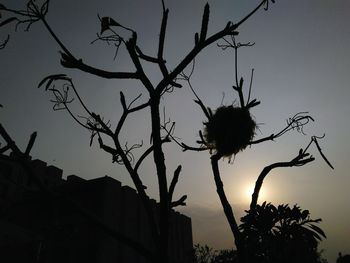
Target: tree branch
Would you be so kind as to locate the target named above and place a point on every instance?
(4, 149)
(230, 29)
(107, 149)
(298, 121)
(30, 143)
(141, 191)
(252, 12)
(239, 84)
(70, 61)
(180, 202)
(186, 147)
(174, 182)
(146, 57)
(160, 60)
(10, 143)
(161, 42)
(126, 111)
(118, 152)
(132, 171)
(205, 21)
(227, 207)
(147, 152)
(4, 42)
(190, 56)
(301, 159)
(159, 160)
(131, 47)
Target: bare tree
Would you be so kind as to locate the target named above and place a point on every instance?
(64, 92)
(230, 129)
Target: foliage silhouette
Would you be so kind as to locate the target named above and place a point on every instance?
(343, 258)
(272, 235)
(281, 234)
(205, 254)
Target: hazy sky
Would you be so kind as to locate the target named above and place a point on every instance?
(301, 60)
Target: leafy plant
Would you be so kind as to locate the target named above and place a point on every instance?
(281, 234)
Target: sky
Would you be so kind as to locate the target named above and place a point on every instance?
(301, 63)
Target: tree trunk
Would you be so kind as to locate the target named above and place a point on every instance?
(159, 160)
(228, 209)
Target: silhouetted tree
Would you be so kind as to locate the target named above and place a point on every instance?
(228, 130)
(343, 258)
(281, 234)
(272, 235)
(205, 254)
(226, 256)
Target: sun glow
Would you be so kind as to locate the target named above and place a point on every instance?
(249, 189)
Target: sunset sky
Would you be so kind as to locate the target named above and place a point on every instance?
(301, 60)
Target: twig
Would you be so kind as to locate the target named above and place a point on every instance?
(174, 182)
(146, 57)
(126, 111)
(180, 202)
(4, 43)
(130, 46)
(4, 149)
(146, 153)
(186, 147)
(297, 122)
(10, 143)
(301, 159)
(205, 21)
(314, 138)
(250, 86)
(229, 30)
(163, 5)
(30, 143)
(71, 62)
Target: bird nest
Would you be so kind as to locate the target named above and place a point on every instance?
(229, 130)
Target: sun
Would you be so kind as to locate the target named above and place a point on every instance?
(249, 189)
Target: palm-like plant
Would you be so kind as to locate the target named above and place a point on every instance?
(281, 234)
